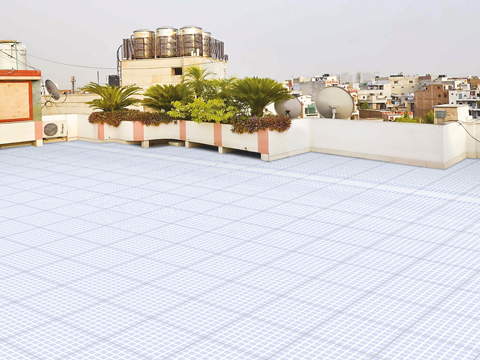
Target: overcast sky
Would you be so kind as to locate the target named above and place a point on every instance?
(267, 38)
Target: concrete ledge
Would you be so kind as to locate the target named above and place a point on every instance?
(190, 144)
(123, 142)
(455, 160)
(267, 157)
(225, 150)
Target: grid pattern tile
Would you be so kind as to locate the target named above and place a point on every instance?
(116, 252)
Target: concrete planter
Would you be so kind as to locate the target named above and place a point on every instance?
(163, 131)
(203, 133)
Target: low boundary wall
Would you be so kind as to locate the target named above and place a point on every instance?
(435, 146)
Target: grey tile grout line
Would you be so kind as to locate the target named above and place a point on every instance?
(310, 280)
(232, 202)
(106, 245)
(369, 292)
(334, 240)
(214, 191)
(424, 315)
(220, 284)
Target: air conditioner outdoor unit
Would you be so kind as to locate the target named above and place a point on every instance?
(54, 129)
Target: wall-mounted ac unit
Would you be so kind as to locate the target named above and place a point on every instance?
(54, 129)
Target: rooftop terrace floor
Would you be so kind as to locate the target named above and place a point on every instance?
(110, 251)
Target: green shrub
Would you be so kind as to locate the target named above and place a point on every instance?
(214, 110)
(161, 97)
(114, 118)
(429, 118)
(112, 98)
(250, 125)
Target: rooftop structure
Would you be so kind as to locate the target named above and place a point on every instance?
(159, 57)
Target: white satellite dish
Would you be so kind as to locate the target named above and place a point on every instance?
(334, 103)
(290, 107)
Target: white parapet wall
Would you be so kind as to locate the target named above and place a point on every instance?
(436, 146)
(405, 143)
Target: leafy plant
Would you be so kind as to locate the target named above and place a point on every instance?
(241, 125)
(196, 80)
(364, 106)
(429, 118)
(256, 93)
(115, 118)
(407, 119)
(112, 98)
(161, 97)
(203, 111)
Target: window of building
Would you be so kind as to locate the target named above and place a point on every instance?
(439, 95)
(177, 71)
(411, 82)
(395, 82)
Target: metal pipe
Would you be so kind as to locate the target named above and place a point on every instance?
(16, 53)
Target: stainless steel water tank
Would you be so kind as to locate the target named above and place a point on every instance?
(166, 42)
(206, 36)
(144, 44)
(191, 41)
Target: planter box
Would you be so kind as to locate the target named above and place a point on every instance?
(294, 141)
(202, 133)
(123, 132)
(247, 141)
(163, 131)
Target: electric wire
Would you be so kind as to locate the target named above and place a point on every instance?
(14, 60)
(72, 65)
(474, 138)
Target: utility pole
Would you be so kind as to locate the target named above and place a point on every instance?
(74, 79)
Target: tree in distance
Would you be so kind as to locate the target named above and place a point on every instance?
(429, 118)
(364, 106)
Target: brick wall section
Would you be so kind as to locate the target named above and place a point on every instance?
(425, 100)
(474, 83)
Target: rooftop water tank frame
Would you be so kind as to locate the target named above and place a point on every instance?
(191, 41)
(206, 40)
(143, 44)
(166, 42)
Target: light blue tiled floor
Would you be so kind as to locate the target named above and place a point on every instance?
(116, 252)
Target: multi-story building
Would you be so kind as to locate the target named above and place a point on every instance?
(378, 95)
(428, 97)
(467, 97)
(402, 84)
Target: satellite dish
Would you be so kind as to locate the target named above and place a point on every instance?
(52, 89)
(334, 103)
(290, 107)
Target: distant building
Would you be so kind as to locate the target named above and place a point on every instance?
(402, 84)
(378, 95)
(466, 97)
(430, 96)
